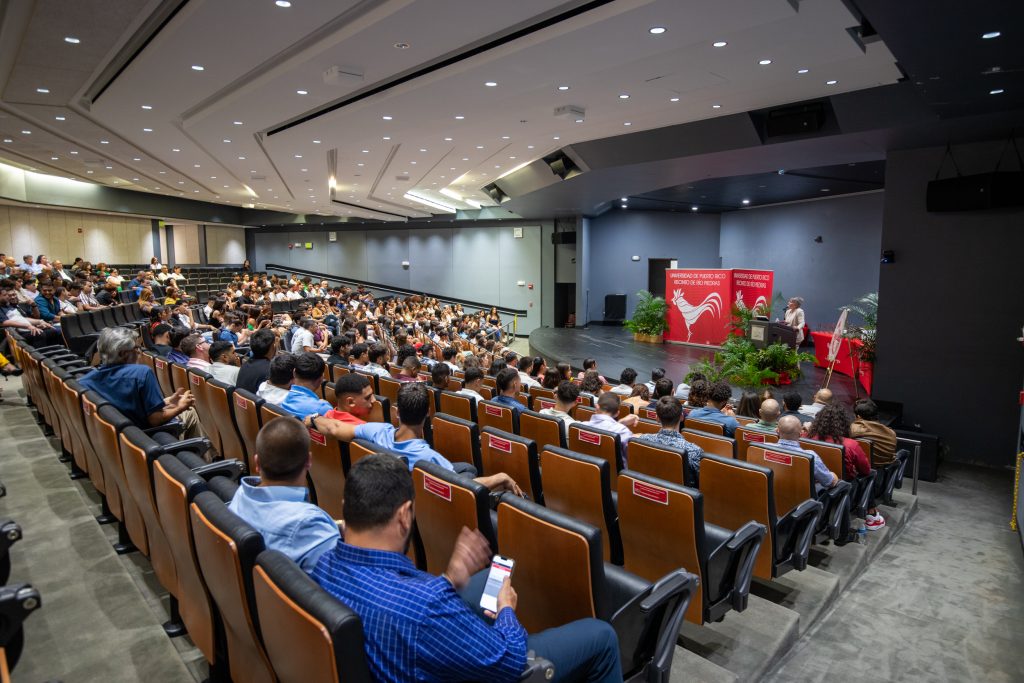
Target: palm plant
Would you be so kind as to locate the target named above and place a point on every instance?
(649, 315)
(867, 308)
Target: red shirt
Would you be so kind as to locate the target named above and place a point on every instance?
(855, 462)
(342, 416)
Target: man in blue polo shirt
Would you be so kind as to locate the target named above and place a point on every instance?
(407, 441)
(718, 409)
(303, 398)
(276, 503)
(508, 384)
(133, 389)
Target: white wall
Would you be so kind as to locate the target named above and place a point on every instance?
(224, 245)
(186, 243)
(110, 239)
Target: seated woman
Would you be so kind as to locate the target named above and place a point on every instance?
(750, 404)
(640, 397)
(698, 397)
(832, 424)
(551, 379)
(146, 301)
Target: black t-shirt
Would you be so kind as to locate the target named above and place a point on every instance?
(104, 298)
(253, 374)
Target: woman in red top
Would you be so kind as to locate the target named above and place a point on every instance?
(832, 424)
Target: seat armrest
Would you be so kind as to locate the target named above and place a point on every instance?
(198, 445)
(537, 669)
(76, 372)
(742, 549)
(838, 509)
(621, 587)
(10, 533)
(804, 518)
(232, 469)
(172, 427)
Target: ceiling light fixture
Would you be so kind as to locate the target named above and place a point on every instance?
(298, 156)
(147, 130)
(719, 43)
(43, 91)
(402, 46)
(136, 159)
(365, 151)
(802, 71)
(429, 202)
(563, 87)
(72, 40)
(656, 30)
(716, 106)
(673, 99)
(241, 158)
(997, 91)
(990, 35)
(8, 140)
(73, 152)
(197, 67)
(386, 117)
(225, 140)
(283, 3)
(386, 137)
(175, 149)
(459, 117)
(627, 123)
(623, 96)
(301, 92)
(833, 82)
(447, 139)
(746, 201)
(765, 62)
(491, 84)
(104, 142)
(693, 208)
(59, 118)
(316, 142)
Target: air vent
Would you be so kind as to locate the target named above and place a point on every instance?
(402, 177)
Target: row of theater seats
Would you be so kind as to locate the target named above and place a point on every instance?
(249, 610)
(17, 601)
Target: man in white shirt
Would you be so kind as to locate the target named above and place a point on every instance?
(224, 363)
(377, 354)
(302, 338)
(59, 272)
(30, 266)
(821, 399)
(565, 400)
(524, 365)
(471, 384)
(606, 418)
(294, 292)
(279, 381)
(176, 275)
(198, 351)
(627, 380)
(28, 292)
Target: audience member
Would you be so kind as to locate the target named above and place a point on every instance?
(656, 374)
(749, 405)
(161, 335)
(867, 426)
(276, 502)
(832, 425)
(263, 348)
(791, 400)
(340, 347)
(509, 383)
(822, 398)
(354, 394)
(224, 362)
(525, 364)
(639, 398)
(697, 397)
(606, 417)
(415, 625)
(626, 381)
(662, 387)
(789, 437)
(198, 351)
(588, 365)
(279, 379)
(670, 413)
(565, 400)
(717, 408)
(378, 355)
(592, 385)
(551, 379)
(302, 337)
(472, 383)
(439, 376)
(47, 303)
(769, 413)
(303, 398)
(410, 369)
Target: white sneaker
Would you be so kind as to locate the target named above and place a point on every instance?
(875, 522)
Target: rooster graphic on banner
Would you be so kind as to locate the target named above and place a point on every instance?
(691, 313)
(761, 301)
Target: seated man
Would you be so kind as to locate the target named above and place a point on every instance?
(355, 399)
(472, 383)
(439, 376)
(588, 365)
(407, 441)
(162, 339)
(279, 379)
(525, 364)
(224, 362)
(626, 382)
(303, 398)
(822, 398)
(867, 426)
(656, 374)
(47, 303)
(276, 502)
(670, 412)
(607, 418)
(449, 358)
(566, 394)
(360, 356)
(302, 338)
(198, 351)
(769, 413)
(410, 369)
(178, 335)
(662, 387)
(791, 401)
(508, 385)
(377, 354)
(416, 626)
(718, 408)
(427, 355)
(133, 388)
(263, 346)
(340, 347)
(789, 437)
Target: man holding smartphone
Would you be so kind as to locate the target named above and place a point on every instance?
(416, 625)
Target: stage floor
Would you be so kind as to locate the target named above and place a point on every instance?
(614, 349)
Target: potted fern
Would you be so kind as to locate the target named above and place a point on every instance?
(648, 323)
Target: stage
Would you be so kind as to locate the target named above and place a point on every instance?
(614, 349)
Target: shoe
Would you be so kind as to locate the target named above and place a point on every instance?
(875, 522)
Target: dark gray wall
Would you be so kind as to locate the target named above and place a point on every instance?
(616, 236)
(950, 310)
(829, 274)
(477, 264)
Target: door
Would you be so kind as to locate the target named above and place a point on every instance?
(656, 268)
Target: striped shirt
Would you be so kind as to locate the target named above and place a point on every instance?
(415, 625)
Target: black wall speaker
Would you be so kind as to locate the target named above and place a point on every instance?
(1003, 190)
(614, 308)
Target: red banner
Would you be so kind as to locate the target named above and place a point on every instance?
(700, 301)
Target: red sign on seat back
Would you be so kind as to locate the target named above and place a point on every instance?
(159, 363)
(752, 436)
(778, 458)
(544, 403)
(317, 438)
(241, 403)
(654, 493)
(437, 487)
(589, 437)
(195, 380)
(499, 444)
(493, 410)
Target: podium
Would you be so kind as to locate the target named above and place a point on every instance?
(764, 333)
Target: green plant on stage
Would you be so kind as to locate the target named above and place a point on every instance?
(867, 308)
(741, 364)
(649, 315)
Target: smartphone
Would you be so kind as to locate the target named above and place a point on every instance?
(501, 568)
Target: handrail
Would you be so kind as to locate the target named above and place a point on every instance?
(397, 290)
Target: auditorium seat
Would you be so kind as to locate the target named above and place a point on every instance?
(454, 382)
(544, 430)
(388, 387)
(539, 403)
(705, 426)
(646, 426)
(446, 502)
(380, 411)
(743, 420)
(497, 416)
(514, 455)
(17, 602)
(327, 471)
(162, 368)
(108, 423)
(599, 443)
(298, 616)
(204, 408)
(373, 379)
(736, 492)
(360, 448)
(179, 376)
(226, 549)
(539, 392)
(663, 528)
(645, 616)
(713, 444)
(10, 533)
(336, 370)
(108, 493)
(457, 405)
(745, 436)
(580, 486)
(147, 358)
(456, 439)
(246, 409)
(843, 498)
(661, 462)
(583, 412)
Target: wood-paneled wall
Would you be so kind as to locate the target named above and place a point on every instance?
(63, 235)
(224, 245)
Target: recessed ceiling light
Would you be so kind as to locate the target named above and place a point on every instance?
(402, 46)
(746, 201)
(627, 123)
(59, 118)
(991, 34)
(237, 123)
(624, 200)
(73, 152)
(301, 92)
(716, 106)
(563, 87)
(53, 158)
(109, 168)
(365, 151)
(824, 189)
(459, 117)
(465, 158)
(529, 147)
(623, 96)
(802, 71)
(656, 30)
(491, 84)
(833, 82)
(72, 40)
(719, 43)
(579, 120)
(765, 62)
(447, 139)
(556, 138)
(147, 130)
(316, 142)
(196, 166)
(136, 159)
(298, 156)
(175, 149)
(386, 117)
(8, 140)
(283, 3)
(673, 99)
(997, 91)
(386, 137)
(163, 172)
(89, 172)
(479, 146)
(422, 150)
(693, 208)
(623, 206)
(197, 67)
(241, 158)
(360, 164)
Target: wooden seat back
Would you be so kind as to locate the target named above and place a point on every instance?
(544, 430)
(794, 474)
(705, 426)
(246, 410)
(458, 405)
(456, 439)
(446, 502)
(832, 454)
(654, 460)
(514, 455)
(162, 368)
(745, 436)
(736, 492)
(710, 443)
(497, 416)
(598, 443)
(327, 472)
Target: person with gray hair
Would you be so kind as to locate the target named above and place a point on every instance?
(133, 389)
(795, 317)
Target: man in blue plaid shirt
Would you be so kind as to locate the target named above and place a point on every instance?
(670, 411)
(416, 626)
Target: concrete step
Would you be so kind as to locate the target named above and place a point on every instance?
(808, 593)
(747, 643)
(688, 667)
(843, 562)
